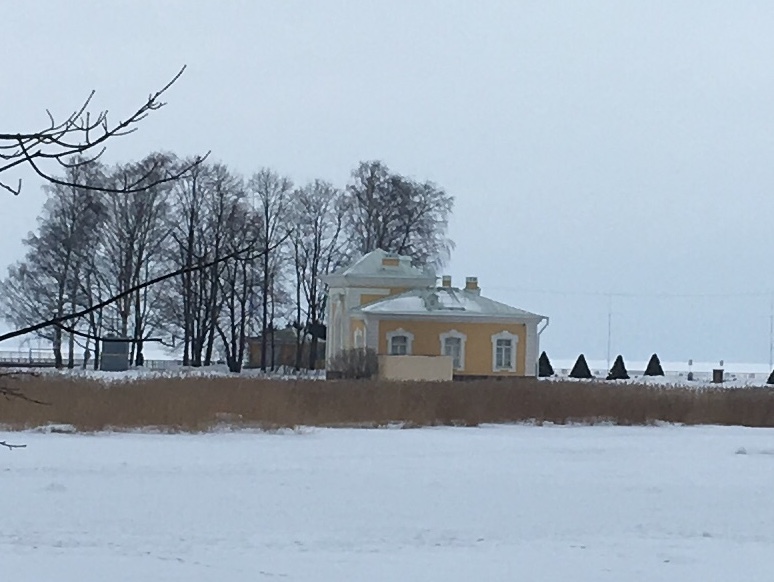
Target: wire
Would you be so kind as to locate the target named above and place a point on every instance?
(631, 294)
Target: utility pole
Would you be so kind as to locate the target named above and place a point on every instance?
(771, 331)
(609, 326)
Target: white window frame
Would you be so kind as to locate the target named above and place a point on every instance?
(400, 332)
(463, 339)
(514, 339)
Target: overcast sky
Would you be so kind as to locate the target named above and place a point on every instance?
(592, 147)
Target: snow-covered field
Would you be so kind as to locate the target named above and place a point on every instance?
(491, 503)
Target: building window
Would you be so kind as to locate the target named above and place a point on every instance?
(399, 345)
(504, 354)
(399, 342)
(504, 351)
(453, 345)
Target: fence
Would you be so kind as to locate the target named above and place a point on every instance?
(34, 358)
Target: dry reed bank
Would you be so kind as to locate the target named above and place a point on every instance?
(194, 404)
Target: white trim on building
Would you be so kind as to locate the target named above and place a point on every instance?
(400, 342)
(504, 351)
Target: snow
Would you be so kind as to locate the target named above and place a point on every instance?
(458, 302)
(736, 374)
(673, 367)
(173, 371)
(491, 503)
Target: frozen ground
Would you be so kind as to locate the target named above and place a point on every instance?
(493, 503)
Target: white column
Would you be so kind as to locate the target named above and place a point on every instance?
(531, 347)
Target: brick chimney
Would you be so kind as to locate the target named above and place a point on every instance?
(471, 284)
(446, 281)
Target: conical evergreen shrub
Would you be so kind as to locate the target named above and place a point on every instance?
(771, 378)
(654, 367)
(545, 369)
(618, 371)
(581, 369)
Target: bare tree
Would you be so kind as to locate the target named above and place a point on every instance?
(239, 281)
(271, 195)
(201, 212)
(318, 248)
(73, 143)
(397, 214)
(183, 302)
(48, 281)
(133, 235)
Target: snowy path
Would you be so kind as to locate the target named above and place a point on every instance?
(495, 503)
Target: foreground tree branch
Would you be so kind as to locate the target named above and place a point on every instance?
(10, 393)
(84, 135)
(10, 446)
(56, 321)
(103, 339)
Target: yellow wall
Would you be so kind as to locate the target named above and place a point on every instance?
(478, 346)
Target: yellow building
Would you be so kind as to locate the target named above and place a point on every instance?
(383, 303)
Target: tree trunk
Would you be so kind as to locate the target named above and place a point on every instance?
(71, 351)
(57, 346)
(265, 305)
(313, 353)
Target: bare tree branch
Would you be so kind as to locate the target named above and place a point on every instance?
(82, 134)
(100, 338)
(54, 321)
(10, 393)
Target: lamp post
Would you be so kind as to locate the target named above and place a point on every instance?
(609, 326)
(771, 332)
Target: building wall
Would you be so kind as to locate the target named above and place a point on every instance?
(478, 344)
(434, 369)
(341, 326)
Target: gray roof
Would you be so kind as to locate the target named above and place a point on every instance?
(444, 301)
(370, 266)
